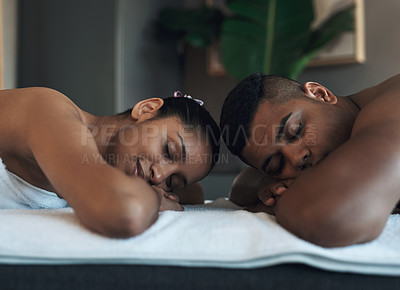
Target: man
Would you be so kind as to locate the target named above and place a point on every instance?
(334, 160)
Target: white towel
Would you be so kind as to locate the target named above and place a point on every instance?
(206, 237)
(17, 193)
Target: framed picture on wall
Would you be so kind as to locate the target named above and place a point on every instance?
(348, 48)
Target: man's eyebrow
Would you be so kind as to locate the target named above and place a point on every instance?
(282, 127)
(183, 146)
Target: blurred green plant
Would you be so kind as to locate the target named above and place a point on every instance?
(259, 35)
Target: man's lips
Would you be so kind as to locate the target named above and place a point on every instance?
(320, 159)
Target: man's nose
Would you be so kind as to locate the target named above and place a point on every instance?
(297, 156)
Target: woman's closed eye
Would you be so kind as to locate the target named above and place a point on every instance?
(167, 151)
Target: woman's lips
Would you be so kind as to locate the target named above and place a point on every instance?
(138, 170)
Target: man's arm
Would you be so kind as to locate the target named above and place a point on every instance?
(348, 197)
(104, 199)
(245, 187)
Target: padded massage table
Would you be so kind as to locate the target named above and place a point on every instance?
(215, 246)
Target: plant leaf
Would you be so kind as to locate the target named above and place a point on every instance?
(249, 45)
(196, 26)
(331, 29)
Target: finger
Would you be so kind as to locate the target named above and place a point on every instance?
(167, 204)
(269, 202)
(264, 195)
(173, 197)
(279, 190)
(161, 191)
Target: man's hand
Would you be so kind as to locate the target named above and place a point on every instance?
(268, 195)
(169, 201)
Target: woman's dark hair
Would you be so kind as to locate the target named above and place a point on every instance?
(195, 117)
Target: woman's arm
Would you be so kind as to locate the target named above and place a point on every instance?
(104, 198)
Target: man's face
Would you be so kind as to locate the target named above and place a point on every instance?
(287, 138)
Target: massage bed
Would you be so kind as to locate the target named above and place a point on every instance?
(213, 246)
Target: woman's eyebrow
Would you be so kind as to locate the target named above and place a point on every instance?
(183, 156)
(282, 126)
(183, 147)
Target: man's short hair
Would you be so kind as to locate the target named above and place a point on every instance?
(242, 102)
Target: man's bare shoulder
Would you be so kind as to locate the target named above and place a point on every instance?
(382, 107)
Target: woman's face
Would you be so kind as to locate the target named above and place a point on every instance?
(161, 151)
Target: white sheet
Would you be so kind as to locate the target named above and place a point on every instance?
(199, 236)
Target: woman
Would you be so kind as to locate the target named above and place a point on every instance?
(114, 171)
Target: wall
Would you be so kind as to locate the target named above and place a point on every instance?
(105, 55)
(382, 53)
(10, 44)
(148, 63)
(69, 46)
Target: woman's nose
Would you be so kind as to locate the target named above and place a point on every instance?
(160, 172)
(298, 156)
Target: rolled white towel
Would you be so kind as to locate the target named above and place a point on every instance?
(17, 193)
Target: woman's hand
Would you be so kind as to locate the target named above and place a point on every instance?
(169, 201)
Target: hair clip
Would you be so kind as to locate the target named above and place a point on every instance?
(178, 94)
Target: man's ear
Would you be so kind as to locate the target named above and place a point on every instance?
(146, 109)
(319, 92)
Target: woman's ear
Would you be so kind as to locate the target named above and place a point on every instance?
(146, 109)
(319, 92)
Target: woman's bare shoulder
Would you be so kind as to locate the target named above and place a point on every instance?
(17, 102)
(20, 107)
(23, 104)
